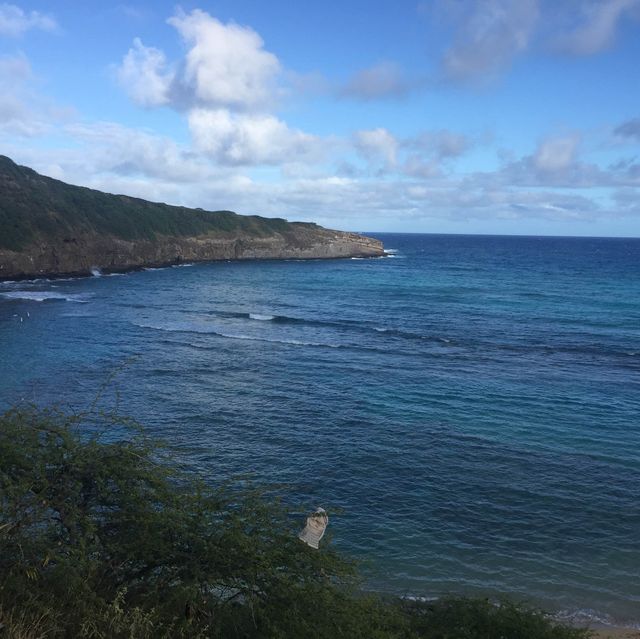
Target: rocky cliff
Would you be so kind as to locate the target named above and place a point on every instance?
(50, 228)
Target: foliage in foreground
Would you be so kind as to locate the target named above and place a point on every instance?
(102, 535)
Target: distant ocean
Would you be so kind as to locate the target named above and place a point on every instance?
(471, 404)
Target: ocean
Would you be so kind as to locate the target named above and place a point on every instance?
(467, 409)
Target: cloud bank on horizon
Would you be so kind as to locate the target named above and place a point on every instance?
(495, 116)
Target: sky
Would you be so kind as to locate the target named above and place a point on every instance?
(443, 116)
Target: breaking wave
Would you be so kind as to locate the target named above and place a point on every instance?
(187, 328)
(43, 296)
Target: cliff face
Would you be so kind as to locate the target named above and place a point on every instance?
(50, 228)
(78, 256)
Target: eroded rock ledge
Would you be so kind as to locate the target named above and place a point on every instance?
(79, 256)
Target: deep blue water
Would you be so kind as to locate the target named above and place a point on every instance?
(472, 403)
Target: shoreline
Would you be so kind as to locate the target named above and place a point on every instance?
(106, 271)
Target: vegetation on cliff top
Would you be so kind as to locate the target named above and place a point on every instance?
(34, 207)
(104, 535)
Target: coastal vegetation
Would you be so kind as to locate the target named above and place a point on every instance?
(35, 207)
(106, 533)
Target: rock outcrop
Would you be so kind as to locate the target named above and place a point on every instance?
(49, 228)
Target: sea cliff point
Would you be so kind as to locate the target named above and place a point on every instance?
(50, 228)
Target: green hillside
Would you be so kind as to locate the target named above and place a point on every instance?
(34, 207)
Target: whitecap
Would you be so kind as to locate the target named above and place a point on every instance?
(42, 296)
(36, 281)
(189, 328)
(390, 251)
(181, 265)
(96, 272)
(291, 342)
(261, 317)
(588, 616)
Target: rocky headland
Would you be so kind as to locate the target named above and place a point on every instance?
(49, 228)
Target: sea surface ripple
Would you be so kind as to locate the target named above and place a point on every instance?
(470, 404)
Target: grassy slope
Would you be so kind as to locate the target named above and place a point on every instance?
(34, 207)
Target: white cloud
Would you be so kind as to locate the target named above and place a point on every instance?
(558, 163)
(441, 144)
(383, 80)
(597, 29)
(556, 154)
(248, 138)
(489, 35)
(113, 148)
(418, 166)
(227, 84)
(629, 129)
(226, 65)
(22, 112)
(421, 156)
(377, 144)
(14, 21)
(145, 76)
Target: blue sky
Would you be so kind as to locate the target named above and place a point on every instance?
(463, 116)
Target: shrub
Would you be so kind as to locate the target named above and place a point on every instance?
(103, 534)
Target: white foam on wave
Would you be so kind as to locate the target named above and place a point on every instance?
(42, 296)
(292, 342)
(381, 330)
(261, 317)
(589, 617)
(35, 281)
(390, 251)
(181, 265)
(177, 327)
(96, 272)
(188, 328)
(421, 598)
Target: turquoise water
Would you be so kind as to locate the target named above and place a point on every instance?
(471, 403)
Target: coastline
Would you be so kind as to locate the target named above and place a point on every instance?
(108, 271)
(54, 229)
